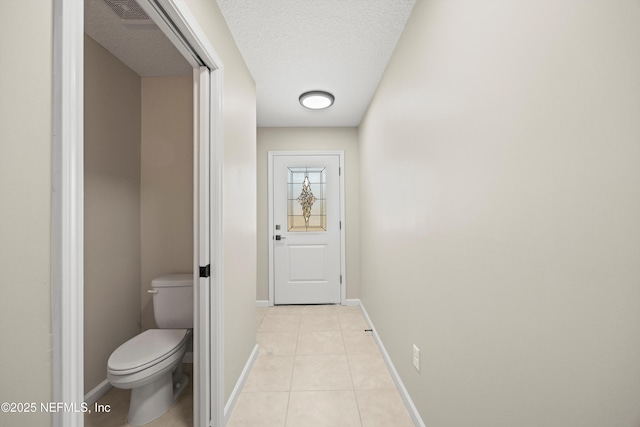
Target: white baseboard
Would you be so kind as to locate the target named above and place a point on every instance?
(262, 303)
(413, 411)
(235, 394)
(97, 392)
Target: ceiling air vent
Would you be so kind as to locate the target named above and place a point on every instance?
(127, 10)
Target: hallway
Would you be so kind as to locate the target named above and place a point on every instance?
(317, 367)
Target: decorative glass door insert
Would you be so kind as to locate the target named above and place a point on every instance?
(307, 204)
(306, 235)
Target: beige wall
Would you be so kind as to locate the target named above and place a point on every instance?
(166, 204)
(25, 206)
(300, 139)
(111, 208)
(138, 198)
(239, 193)
(25, 198)
(499, 226)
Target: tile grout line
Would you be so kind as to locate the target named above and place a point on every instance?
(299, 331)
(353, 386)
(293, 367)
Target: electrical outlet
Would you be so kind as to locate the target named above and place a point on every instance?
(416, 358)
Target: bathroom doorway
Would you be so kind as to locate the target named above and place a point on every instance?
(204, 82)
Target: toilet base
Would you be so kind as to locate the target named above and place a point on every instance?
(180, 386)
(151, 401)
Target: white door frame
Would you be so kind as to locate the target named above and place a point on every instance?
(179, 25)
(343, 273)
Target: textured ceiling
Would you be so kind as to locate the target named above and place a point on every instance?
(293, 46)
(290, 47)
(142, 47)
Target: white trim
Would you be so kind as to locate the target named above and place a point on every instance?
(201, 241)
(68, 210)
(191, 32)
(343, 235)
(270, 225)
(262, 303)
(68, 204)
(97, 392)
(411, 407)
(217, 234)
(176, 16)
(352, 302)
(235, 394)
(180, 18)
(157, 12)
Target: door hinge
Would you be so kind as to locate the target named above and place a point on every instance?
(341, 279)
(340, 225)
(205, 271)
(339, 170)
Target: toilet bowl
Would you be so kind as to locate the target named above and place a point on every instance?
(150, 365)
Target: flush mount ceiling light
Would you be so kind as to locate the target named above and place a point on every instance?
(316, 99)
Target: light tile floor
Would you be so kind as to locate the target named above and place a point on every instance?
(317, 367)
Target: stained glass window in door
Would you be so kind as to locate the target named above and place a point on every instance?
(306, 210)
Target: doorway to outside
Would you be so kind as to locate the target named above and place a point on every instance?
(307, 228)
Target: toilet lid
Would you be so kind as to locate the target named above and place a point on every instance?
(148, 348)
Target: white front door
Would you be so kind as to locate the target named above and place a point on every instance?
(306, 235)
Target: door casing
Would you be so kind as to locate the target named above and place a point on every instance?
(178, 24)
(340, 154)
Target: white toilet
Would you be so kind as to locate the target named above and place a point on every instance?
(150, 363)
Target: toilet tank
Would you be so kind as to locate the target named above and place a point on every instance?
(173, 301)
